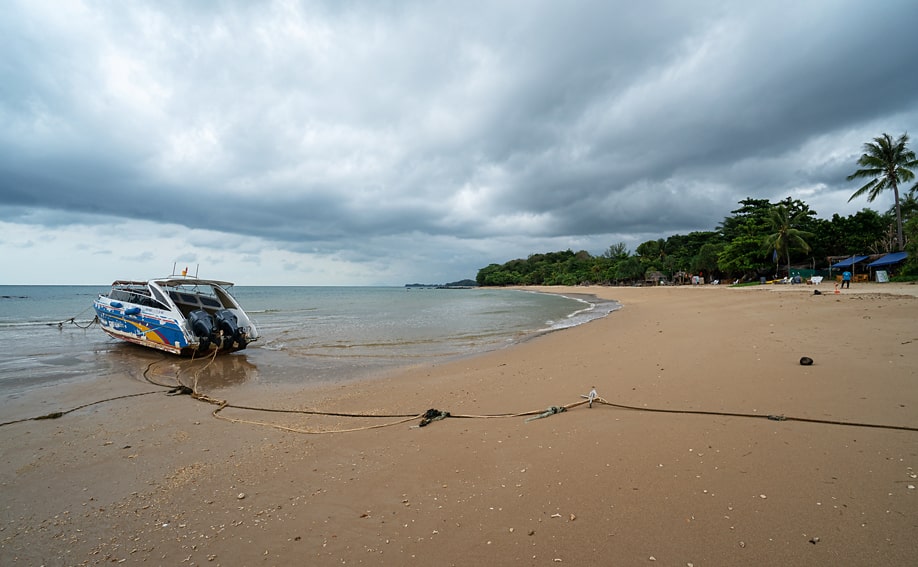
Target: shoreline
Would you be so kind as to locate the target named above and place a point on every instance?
(293, 351)
(263, 365)
(156, 479)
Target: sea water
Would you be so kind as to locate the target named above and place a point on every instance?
(307, 334)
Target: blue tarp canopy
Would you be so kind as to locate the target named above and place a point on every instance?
(848, 262)
(889, 259)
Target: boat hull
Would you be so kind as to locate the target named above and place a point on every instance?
(161, 315)
(161, 333)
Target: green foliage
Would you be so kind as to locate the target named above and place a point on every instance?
(751, 218)
(785, 235)
(553, 268)
(887, 163)
(706, 260)
(860, 232)
(910, 269)
(741, 257)
(742, 248)
(630, 269)
(651, 249)
(616, 252)
(908, 207)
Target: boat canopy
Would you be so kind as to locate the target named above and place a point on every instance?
(174, 282)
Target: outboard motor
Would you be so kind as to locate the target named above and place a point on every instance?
(227, 322)
(203, 326)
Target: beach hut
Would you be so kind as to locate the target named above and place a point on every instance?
(849, 263)
(887, 262)
(655, 278)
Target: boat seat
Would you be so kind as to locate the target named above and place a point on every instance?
(210, 302)
(184, 299)
(195, 301)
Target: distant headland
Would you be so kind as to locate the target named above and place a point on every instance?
(461, 284)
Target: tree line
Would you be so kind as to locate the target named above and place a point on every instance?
(758, 239)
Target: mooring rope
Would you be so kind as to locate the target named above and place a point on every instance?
(73, 321)
(426, 417)
(146, 374)
(57, 414)
(222, 404)
(771, 417)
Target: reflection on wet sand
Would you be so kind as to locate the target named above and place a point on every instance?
(201, 374)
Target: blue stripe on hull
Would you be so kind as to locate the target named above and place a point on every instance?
(163, 334)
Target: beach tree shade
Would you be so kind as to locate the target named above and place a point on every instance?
(785, 235)
(887, 163)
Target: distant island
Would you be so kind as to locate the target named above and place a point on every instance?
(461, 284)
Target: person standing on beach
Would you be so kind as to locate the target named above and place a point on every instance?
(846, 279)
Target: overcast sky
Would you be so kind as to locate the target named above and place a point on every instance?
(386, 142)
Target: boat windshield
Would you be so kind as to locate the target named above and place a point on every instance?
(225, 296)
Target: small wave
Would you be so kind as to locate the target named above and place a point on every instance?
(594, 310)
(285, 310)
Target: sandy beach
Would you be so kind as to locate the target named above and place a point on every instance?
(156, 479)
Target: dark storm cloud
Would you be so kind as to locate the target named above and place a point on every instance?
(331, 127)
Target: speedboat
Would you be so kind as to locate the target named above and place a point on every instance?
(182, 315)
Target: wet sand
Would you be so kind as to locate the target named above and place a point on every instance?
(156, 479)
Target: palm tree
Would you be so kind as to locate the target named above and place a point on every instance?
(887, 163)
(786, 236)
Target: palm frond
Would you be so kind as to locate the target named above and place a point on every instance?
(888, 162)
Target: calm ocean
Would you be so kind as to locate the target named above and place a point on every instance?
(308, 334)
